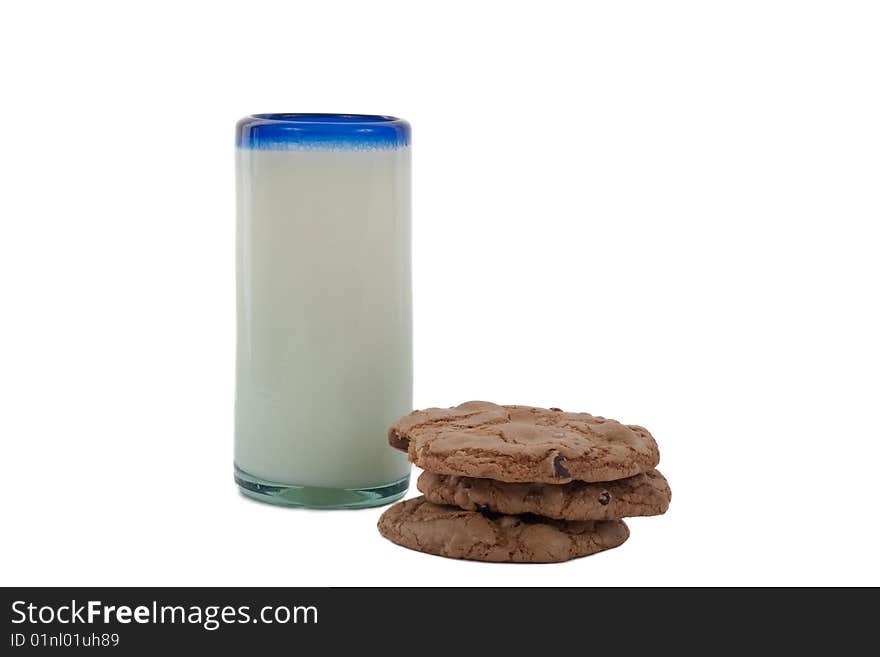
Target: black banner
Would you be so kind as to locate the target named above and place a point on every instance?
(138, 620)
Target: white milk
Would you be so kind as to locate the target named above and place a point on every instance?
(324, 360)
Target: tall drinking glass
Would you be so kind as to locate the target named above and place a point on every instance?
(324, 312)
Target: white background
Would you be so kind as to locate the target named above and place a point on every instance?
(664, 213)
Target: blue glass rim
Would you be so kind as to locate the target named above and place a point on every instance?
(303, 131)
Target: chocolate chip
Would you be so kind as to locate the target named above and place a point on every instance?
(604, 498)
(553, 408)
(559, 467)
(397, 441)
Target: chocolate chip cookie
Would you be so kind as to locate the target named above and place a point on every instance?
(523, 444)
(645, 494)
(452, 532)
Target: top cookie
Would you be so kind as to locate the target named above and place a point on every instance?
(523, 444)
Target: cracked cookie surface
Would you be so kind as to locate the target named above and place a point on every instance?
(645, 494)
(452, 532)
(523, 444)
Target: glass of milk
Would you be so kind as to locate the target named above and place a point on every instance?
(324, 309)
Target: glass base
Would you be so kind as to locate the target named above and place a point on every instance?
(319, 498)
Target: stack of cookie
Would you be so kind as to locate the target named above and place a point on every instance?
(522, 484)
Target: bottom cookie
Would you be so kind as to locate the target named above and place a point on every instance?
(448, 531)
